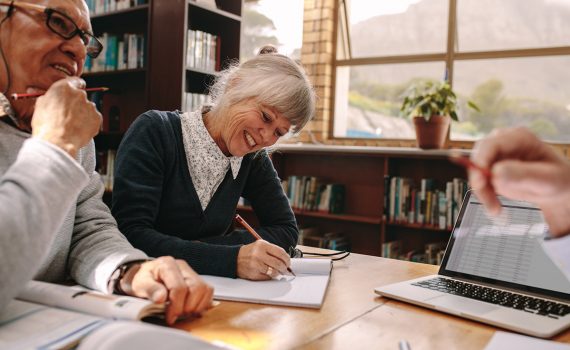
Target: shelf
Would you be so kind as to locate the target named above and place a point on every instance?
(192, 70)
(418, 226)
(114, 73)
(118, 80)
(338, 217)
(396, 152)
(198, 80)
(215, 10)
(131, 20)
(130, 10)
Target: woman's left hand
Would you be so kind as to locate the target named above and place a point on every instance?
(262, 260)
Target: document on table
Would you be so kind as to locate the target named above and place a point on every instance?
(307, 289)
(505, 340)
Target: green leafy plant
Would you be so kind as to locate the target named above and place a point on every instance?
(427, 98)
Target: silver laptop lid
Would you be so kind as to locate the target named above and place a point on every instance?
(503, 251)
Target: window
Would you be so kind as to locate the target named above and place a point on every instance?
(511, 60)
(275, 22)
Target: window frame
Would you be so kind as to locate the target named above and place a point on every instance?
(449, 57)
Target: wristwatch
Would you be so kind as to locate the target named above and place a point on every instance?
(114, 285)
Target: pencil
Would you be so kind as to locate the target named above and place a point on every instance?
(464, 161)
(255, 234)
(38, 94)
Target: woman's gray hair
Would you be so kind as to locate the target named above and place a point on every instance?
(273, 80)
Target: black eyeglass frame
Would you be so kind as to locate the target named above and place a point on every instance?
(92, 44)
(298, 253)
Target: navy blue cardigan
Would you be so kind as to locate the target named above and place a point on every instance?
(158, 210)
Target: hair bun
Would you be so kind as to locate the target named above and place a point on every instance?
(267, 49)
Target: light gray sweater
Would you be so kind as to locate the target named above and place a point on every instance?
(54, 225)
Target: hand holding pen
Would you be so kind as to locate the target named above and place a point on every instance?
(64, 117)
(261, 260)
(522, 167)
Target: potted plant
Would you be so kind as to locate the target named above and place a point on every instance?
(432, 105)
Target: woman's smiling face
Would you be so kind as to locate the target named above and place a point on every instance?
(250, 127)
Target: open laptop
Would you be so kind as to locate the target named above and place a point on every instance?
(496, 271)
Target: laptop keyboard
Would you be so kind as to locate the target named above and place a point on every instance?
(495, 296)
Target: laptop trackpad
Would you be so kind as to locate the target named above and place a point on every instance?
(457, 304)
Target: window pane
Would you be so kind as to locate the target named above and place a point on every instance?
(511, 92)
(275, 22)
(512, 24)
(397, 27)
(368, 99)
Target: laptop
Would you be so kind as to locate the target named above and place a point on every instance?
(496, 271)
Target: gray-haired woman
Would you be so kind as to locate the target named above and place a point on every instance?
(179, 176)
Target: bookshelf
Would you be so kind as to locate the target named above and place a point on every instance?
(362, 171)
(158, 77)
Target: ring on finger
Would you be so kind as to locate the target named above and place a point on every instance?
(269, 271)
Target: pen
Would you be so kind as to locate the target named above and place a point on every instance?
(38, 94)
(404, 345)
(463, 160)
(255, 234)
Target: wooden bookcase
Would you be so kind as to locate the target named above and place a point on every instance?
(171, 21)
(362, 171)
(164, 79)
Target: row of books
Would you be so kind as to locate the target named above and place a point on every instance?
(193, 101)
(311, 236)
(314, 194)
(432, 254)
(406, 202)
(97, 7)
(202, 50)
(106, 167)
(119, 52)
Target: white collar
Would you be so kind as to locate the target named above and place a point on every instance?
(204, 148)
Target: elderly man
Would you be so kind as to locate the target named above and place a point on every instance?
(54, 224)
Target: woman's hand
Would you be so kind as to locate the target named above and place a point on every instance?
(262, 260)
(523, 168)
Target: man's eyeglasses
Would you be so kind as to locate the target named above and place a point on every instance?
(59, 23)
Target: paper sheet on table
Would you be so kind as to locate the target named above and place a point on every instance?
(558, 250)
(505, 340)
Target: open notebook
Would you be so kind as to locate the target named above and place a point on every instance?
(306, 290)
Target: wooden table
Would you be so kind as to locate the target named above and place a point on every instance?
(352, 316)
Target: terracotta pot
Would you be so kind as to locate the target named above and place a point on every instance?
(432, 134)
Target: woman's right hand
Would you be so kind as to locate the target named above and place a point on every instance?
(262, 260)
(523, 168)
(65, 117)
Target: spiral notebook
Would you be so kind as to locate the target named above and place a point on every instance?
(307, 289)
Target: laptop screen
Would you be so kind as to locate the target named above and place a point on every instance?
(506, 250)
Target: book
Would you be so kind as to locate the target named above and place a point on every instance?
(50, 316)
(119, 307)
(307, 289)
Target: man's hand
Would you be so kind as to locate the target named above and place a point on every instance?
(65, 117)
(523, 168)
(262, 260)
(166, 279)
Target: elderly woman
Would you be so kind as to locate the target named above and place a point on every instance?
(179, 176)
